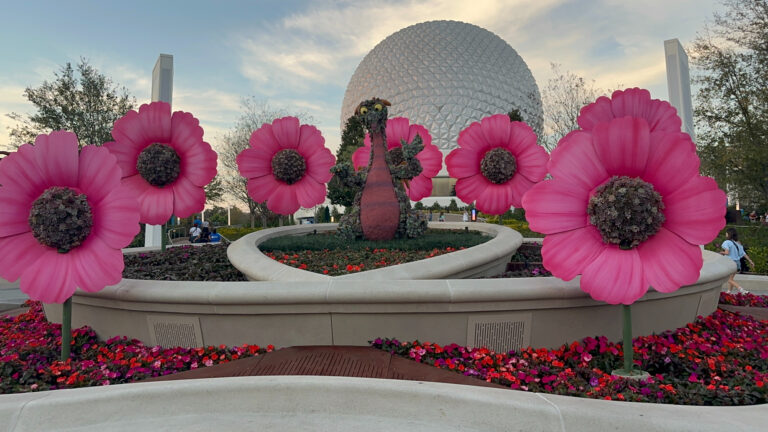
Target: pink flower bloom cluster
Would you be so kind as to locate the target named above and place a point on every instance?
(626, 207)
(29, 347)
(718, 360)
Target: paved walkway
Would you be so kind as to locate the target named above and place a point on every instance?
(342, 361)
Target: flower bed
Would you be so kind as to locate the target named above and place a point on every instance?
(718, 360)
(343, 261)
(30, 346)
(749, 300)
(183, 263)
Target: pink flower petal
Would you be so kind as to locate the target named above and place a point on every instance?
(99, 174)
(96, 265)
(419, 187)
(567, 254)
(311, 141)
(672, 162)
(127, 156)
(116, 218)
(57, 158)
(462, 163)
(20, 252)
(319, 165)
(555, 206)
(636, 102)
(531, 158)
(615, 276)
(696, 211)
(469, 188)
(264, 142)
(251, 165)
(199, 165)
(188, 198)
(14, 212)
(260, 188)
(669, 261)
(496, 129)
(152, 124)
(286, 132)
(496, 199)
(19, 172)
(472, 138)
(518, 186)
(50, 279)
(155, 204)
(361, 157)
(600, 111)
(283, 200)
(574, 160)
(622, 145)
(431, 159)
(186, 133)
(397, 129)
(309, 192)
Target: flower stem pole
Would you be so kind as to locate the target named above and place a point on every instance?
(163, 234)
(626, 312)
(66, 329)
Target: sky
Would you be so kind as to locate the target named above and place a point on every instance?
(300, 55)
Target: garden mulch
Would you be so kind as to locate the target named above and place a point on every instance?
(347, 361)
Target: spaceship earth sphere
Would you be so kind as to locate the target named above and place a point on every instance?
(445, 75)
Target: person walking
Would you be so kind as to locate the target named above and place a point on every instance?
(734, 250)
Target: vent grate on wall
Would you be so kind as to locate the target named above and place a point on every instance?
(175, 331)
(499, 333)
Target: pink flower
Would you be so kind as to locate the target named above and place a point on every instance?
(431, 158)
(497, 161)
(65, 218)
(634, 102)
(164, 159)
(287, 165)
(626, 209)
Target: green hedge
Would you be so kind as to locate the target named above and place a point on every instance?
(755, 241)
(233, 234)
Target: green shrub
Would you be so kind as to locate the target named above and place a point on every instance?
(760, 256)
(232, 234)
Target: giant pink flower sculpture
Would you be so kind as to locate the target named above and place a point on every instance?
(626, 208)
(497, 161)
(287, 165)
(431, 158)
(65, 218)
(635, 102)
(164, 158)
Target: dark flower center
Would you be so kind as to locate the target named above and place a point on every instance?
(289, 166)
(498, 165)
(396, 156)
(626, 211)
(61, 218)
(159, 165)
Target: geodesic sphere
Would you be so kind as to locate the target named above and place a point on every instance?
(445, 75)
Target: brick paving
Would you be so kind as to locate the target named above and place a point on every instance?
(346, 361)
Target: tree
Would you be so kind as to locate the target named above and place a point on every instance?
(254, 114)
(563, 97)
(352, 138)
(731, 113)
(87, 104)
(214, 191)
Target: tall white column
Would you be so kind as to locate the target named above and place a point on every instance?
(162, 90)
(679, 83)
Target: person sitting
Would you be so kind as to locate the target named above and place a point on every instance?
(215, 237)
(205, 235)
(194, 234)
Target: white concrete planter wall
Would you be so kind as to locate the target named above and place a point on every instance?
(309, 403)
(500, 313)
(486, 259)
